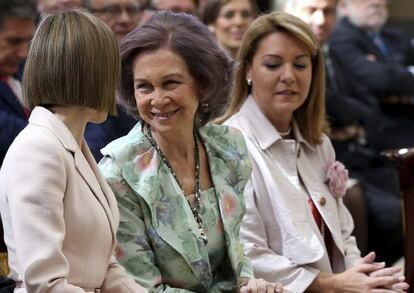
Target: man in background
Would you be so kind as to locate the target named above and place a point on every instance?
(122, 16)
(45, 6)
(17, 24)
(378, 56)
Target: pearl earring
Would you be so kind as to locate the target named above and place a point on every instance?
(249, 81)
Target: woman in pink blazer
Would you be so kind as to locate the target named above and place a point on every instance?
(59, 215)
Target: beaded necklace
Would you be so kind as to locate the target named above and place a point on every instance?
(197, 192)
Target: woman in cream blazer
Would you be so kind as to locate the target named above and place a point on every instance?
(296, 228)
(60, 217)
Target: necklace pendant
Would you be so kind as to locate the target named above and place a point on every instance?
(203, 235)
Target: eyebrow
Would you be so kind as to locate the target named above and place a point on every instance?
(278, 56)
(170, 75)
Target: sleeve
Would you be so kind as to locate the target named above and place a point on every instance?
(384, 77)
(135, 252)
(266, 262)
(35, 191)
(117, 280)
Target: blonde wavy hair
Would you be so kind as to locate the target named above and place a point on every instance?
(311, 117)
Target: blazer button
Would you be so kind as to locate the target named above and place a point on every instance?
(322, 201)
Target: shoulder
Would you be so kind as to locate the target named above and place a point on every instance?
(225, 140)
(325, 149)
(126, 148)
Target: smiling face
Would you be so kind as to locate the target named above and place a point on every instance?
(281, 75)
(232, 22)
(165, 92)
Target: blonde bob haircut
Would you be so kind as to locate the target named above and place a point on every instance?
(73, 61)
(310, 116)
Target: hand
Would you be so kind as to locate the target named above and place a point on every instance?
(401, 286)
(358, 279)
(261, 286)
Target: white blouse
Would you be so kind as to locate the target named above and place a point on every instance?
(278, 232)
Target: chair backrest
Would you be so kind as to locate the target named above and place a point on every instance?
(404, 161)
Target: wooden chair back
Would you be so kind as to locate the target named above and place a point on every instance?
(404, 161)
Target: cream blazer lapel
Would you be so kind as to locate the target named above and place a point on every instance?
(312, 177)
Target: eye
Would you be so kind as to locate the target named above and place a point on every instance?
(143, 87)
(246, 14)
(228, 14)
(272, 66)
(301, 65)
(171, 84)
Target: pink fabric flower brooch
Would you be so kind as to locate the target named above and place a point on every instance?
(336, 178)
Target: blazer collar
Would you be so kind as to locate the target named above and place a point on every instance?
(151, 179)
(84, 161)
(262, 129)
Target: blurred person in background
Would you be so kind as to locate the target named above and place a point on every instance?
(122, 16)
(47, 6)
(229, 20)
(17, 24)
(186, 6)
(350, 107)
(379, 56)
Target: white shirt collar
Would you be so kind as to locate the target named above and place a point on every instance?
(264, 131)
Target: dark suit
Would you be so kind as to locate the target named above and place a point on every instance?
(99, 135)
(350, 104)
(383, 74)
(12, 118)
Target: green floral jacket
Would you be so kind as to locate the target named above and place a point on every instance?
(159, 243)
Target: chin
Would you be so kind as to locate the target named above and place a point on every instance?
(99, 118)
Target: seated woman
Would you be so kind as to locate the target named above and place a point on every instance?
(179, 181)
(59, 215)
(296, 229)
(229, 20)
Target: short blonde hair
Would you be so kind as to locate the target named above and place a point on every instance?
(73, 61)
(310, 116)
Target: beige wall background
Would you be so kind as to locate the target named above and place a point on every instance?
(402, 10)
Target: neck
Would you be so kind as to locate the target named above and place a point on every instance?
(282, 124)
(74, 118)
(177, 145)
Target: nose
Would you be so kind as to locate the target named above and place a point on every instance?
(159, 99)
(238, 19)
(124, 17)
(22, 50)
(318, 17)
(287, 75)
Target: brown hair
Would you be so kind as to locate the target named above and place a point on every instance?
(310, 116)
(187, 37)
(211, 10)
(73, 60)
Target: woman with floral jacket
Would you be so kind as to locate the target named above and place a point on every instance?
(179, 181)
